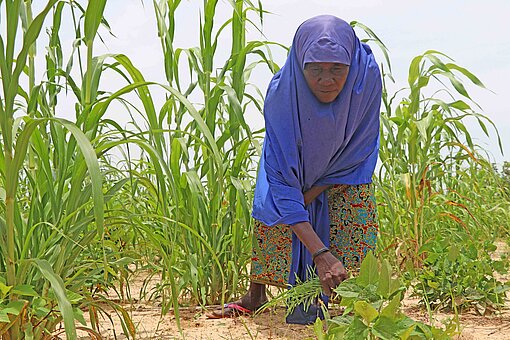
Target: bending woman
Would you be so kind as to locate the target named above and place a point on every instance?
(314, 205)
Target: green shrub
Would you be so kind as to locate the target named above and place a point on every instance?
(459, 275)
(372, 302)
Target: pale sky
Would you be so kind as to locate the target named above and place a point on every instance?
(474, 33)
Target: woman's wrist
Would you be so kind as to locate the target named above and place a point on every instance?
(319, 252)
(308, 236)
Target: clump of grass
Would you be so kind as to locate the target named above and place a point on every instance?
(303, 293)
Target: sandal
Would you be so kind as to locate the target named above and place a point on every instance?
(232, 310)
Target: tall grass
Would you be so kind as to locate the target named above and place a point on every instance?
(52, 212)
(430, 181)
(205, 157)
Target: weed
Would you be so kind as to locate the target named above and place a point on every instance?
(457, 276)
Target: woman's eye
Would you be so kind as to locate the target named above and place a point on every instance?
(316, 71)
(337, 71)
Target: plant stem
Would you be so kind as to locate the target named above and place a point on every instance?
(88, 79)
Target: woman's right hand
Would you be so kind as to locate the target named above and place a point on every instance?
(331, 271)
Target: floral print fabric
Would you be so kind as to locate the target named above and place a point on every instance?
(353, 232)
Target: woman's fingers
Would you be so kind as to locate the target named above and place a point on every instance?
(340, 274)
(335, 281)
(327, 283)
(331, 272)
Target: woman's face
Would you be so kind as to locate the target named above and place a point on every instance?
(326, 80)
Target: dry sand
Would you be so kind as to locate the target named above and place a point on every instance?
(150, 324)
(271, 325)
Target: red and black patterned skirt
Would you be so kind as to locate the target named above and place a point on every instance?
(353, 232)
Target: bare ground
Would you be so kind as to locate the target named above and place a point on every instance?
(271, 325)
(150, 324)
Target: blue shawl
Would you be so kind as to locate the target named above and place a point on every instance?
(308, 143)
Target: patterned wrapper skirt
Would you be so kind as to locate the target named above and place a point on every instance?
(353, 232)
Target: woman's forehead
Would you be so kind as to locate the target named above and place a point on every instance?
(323, 64)
(324, 38)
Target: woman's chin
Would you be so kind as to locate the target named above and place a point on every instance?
(326, 97)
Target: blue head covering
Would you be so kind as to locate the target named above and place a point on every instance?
(310, 143)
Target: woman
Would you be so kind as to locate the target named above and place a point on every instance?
(313, 204)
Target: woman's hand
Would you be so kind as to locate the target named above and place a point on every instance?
(331, 271)
(314, 191)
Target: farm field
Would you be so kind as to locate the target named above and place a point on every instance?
(125, 201)
(272, 326)
(146, 316)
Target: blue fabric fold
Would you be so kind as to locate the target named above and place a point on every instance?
(308, 143)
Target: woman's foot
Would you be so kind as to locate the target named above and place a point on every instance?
(247, 305)
(232, 310)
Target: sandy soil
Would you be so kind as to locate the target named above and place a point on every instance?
(271, 325)
(150, 324)
(196, 325)
(473, 326)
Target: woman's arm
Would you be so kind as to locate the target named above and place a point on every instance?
(314, 191)
(330, 269)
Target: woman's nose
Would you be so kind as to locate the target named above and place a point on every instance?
(326, 78)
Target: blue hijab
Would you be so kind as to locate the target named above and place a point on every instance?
(309, 143)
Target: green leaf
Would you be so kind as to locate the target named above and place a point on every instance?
(90, 157)
(397, 120)
(466, 73)
(348, 289)
(74, 298)
(453, 253)
(405, 327)
(24, 290)
(14, 307)
(502, 288)
(317, 329)
(392, 308)
(366, 311)
(4, 318)
(383, 287)
(4, 289)
(460, 105)
(2, 195)
(339, 325)
(385, 328)
(459, 87)
(424, 124)
(369, 271)
(405, 334)
(414, 70)
(423, 81)
(433, 284)
(490, 247)
(29, 38)
(93, 17)
(78, 315)
(58, 288)
(28, 329)
(357, 330)
(424, 329)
